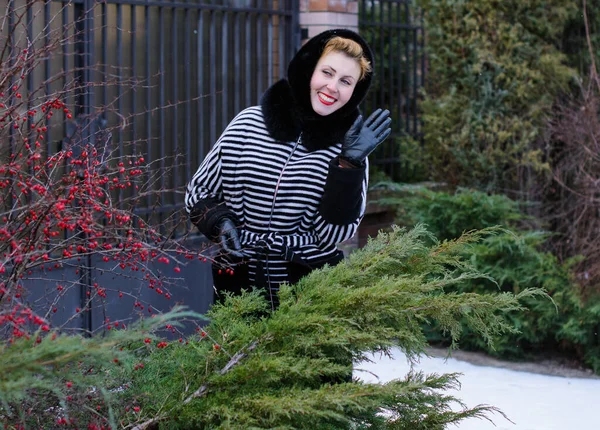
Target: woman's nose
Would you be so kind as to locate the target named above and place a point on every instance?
(331, 86)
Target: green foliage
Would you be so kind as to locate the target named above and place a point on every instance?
(516, 261)
(494, 74)
(448, 215)
(567, 325)
(581, 331)
(519, 263)
(45, 377)
(290, 368)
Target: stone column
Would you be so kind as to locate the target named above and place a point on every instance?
(320, 15)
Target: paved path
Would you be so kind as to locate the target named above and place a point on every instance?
(533, 401)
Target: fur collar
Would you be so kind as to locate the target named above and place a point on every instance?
(285, 120)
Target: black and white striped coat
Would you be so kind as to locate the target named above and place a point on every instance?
(317, 204)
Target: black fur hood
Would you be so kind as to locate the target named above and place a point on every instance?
(286, 105)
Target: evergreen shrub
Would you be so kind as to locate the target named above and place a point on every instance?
(253, 368)
(515, 259)
(494, 72)
(53, 380)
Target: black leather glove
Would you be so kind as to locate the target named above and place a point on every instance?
(230, 240)
(361, 139)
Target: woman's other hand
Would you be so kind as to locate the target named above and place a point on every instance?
(230, 240)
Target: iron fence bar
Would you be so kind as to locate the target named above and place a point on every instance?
(175, 87)
(373, 93)
(90, 132)
(200, 68)
(213, 80)
(258, 44)
(104, 50)
(65, 57)
(270, 44)
(363, 14)
(237, 63)
(133, 47)
(248, 58)
(407, 56)
(295, 31)
(372, 96)
(83, 50)
(188, 103)
(161, 112)
(80, 59)
(29, 79)
(11, 64)
(423, 71)
(188, 90)
(381, 55)
(392, 66)
(47, 69)
(224, 60)
(281, 59)
(400, 69)
(415, 83)
(148, 92)
(119, 73)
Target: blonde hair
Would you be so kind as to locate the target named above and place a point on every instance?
(352, 49)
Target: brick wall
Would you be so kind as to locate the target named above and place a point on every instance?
(320, 15)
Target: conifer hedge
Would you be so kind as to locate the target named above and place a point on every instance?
(253, 368)
(516, 258)
(250, 368)
(494, 70)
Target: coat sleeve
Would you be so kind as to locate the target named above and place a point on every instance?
(343, 204)
(344, 195)
(204, 200)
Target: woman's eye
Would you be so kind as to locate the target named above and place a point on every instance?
(345, 82)
(327, 72)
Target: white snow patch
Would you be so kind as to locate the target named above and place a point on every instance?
(532, 401)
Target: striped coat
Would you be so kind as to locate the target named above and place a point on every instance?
(317, 204)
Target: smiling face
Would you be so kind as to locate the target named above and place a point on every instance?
(333, 82)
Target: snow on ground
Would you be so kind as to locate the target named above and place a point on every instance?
(532, 401)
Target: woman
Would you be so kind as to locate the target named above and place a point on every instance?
(286, 181)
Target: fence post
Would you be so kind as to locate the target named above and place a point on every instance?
(317, 16)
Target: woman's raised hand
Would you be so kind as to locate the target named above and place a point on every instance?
(362, 138)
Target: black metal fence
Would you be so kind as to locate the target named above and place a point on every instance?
(165, 76)
(158, 78)
(195, 65)
(394, 30)
(162, 78)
